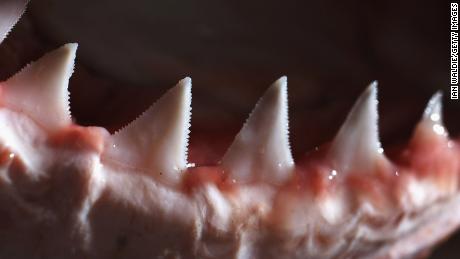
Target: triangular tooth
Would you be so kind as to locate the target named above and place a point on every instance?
(157, 141)
(40, 90)
(433, 110)
(10, 12)
(432, 116)
(356, 146)
(261, 150)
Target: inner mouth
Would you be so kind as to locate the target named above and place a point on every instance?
(329, 60)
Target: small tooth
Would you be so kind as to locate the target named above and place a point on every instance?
(432, 116)
(261, 149)
(433, 110)
(157, 141)
(41, 88)
(10, 12)
(356, 145)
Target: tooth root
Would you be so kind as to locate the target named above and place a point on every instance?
(357, 146)
(157, 141)
(40, 90)
(432, 116)
(261, 150)
(10, 12)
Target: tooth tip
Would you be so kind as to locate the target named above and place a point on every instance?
(70, 49)
(366, 105)
(374, 84)
(69, 52)
(433, 110)
(186, 81)
(186, 84)
(282, 80)
(72, 45)
(278, 91)
(281, 83)
(371, 90)
(432, 116)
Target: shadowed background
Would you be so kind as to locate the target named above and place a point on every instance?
(131, 52)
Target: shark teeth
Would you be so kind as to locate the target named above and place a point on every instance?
(40, 90)
(10, 12)
(432, 116)
(356, 146)
(157, 141)
(261, 150)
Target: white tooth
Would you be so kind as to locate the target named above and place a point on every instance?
(157, 141)
(40, 90)
(261, 149)
(356, 145)
(432, 116)
(10, 12)
(433, 110)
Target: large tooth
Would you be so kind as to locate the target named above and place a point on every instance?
(41, 88)
(10, 12)
(432, 116)
(357, 146)
(261, 149)
(157, 141)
